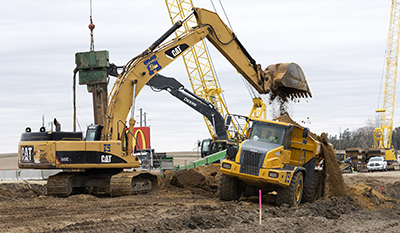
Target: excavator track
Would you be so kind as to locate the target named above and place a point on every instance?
(110, 183)
(128, 183)
(60, 185)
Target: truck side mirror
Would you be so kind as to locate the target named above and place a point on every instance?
(305, 132)
(248, 133)
(228, 120)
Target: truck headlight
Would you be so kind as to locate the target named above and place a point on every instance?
(226, 165)
(273, 174)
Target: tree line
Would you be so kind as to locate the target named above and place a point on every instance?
(362, 137)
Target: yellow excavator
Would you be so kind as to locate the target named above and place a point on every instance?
(96, 163)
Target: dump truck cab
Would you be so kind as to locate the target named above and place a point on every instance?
(273, 157)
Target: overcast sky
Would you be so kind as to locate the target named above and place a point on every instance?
(340, 46)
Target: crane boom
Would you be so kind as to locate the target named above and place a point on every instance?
(383, 134)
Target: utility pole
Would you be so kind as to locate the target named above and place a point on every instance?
(340, 137)
(140, 110)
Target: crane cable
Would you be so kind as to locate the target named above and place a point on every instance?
(75, 71)
(377, 118)
(91, 27)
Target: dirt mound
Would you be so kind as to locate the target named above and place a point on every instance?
(393, 191)
(202, 180)
(371, 199)
(331, 208)
(14, 191)
(187, 179)
(211, 173)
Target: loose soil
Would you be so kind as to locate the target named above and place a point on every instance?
(187, 202)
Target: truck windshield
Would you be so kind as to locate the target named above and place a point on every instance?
(376, 159)
(267, 133)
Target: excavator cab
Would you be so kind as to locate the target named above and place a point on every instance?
(93, 132)
(209, 146)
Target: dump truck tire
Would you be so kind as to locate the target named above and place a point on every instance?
(228, 188)
(313, 192)
(249, 192)
(292, 194)
(319, 193)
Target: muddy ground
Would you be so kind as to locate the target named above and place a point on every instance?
(187, 202)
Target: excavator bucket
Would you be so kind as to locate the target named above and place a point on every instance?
(287, 80)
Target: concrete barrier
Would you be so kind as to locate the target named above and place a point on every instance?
(8, 174)
(27, 174)
(47, 173)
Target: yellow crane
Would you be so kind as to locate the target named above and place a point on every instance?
(383, 134)
(200, 71)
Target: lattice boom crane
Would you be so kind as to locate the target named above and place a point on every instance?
(383, 134)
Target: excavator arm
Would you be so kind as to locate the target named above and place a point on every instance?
(201, 105)
(284, 79)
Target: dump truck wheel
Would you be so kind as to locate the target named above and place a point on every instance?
(292, 194)
(249, 192)
(313, 192)
(228, 188)
(319, 192)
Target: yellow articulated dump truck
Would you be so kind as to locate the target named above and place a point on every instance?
(276, 156)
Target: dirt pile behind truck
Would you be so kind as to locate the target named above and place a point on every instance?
(201, 180)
